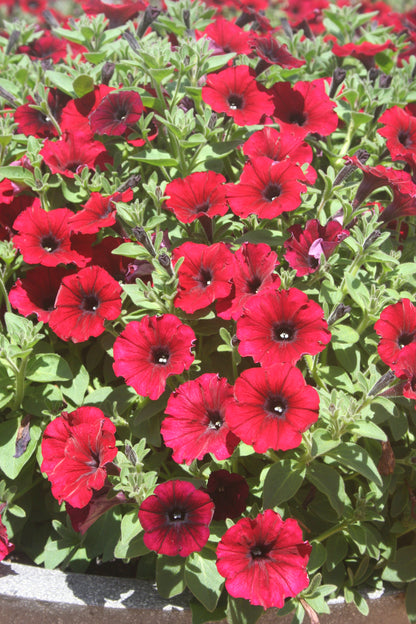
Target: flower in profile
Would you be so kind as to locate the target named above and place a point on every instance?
(264, 559)
(281, 326)
(204, 275)
(271, 52)
(305, 246)
(176, 519)
(72, 153)
(196, 421)
(267, 188)
(273, 407)
(76, 448)
(397, 330)
(229, 491)
(98, 212)
(149, 351)
(82, 518)
(84, 302)
(117, 113)
(45, 237)
(6, 546)
(364, 52)
(234, 91)
(117, 13)
(201, 194)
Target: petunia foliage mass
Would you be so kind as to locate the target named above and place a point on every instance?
(207, 297)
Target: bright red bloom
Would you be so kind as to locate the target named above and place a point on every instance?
(205, 275)
(267, 189)
(397, 330)
(305, 247)
(117, 113)
(75, 115)
(98, 212)
(196, 421)
(226, 37)
(45, 237)
(72, 152)
(176, 519)
(76, 448)
(273, 407)
(149, 351)
(264, 559)
(6, 546)
(304, 108)
(281, 326)
(254, 267)
(234, 91)
(117, 13)
(84, 302)
(229, 491)
(400, 132)
(36, 292)
(310, 11)
(33, 122)
(201, 194)
(406, 368)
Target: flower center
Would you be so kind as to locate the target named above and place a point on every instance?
(283, 332)
(177, 515)
(73, 166)
(271, 192)
(202, 207)
(235, 102)
(404, 138)
(49, 243)
(215, 419)
(275, 405)
(121, 114)
(90, 303)
(404, 340)
(254, 284)
(297, 118)
(160, 356)
(260, 551)
(205, 277)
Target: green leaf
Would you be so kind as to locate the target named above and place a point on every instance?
(352, 595)
(344, 334)
(367, 429)
(200, 615)
(357, 291)
(282, 482)
(357, 458)
(45, 367)
(411, 601)
(322, 442)
(317, 558)
(83, 84)
(170, 575)
(62, 81)
(160, 158)
(328, 481)
(240, 611)
(203, 578)
(337, 548)
(77, 387)
(403, 568)
(10, 465)
(95, 57)
(17, 174)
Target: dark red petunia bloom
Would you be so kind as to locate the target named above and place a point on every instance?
(234, 91)
(47, 46)
(304, 108)
(6, 546)
(400, 131)
(306, 246)
(277, 146)
(117, 13)
(229, 491)
(176, 519)
(45, 237)
(271, 52)
(201, 194)
(32, 122)
(281, 326)
(267, 189)
(36, 292)
(264, 559)
(84, 302)
(205, 275)
(254, 266)
(364, 52)
(149, 351)
(397, 330)
(98, 212)
(84, 517)
(75, 115)
(310, 11)
(76, 448)
(226, 37)
(406, 369)
(196, 421)
(273, 407)
(117, 113)
(72, 153)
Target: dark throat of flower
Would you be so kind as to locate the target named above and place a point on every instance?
(215, 419)
(275, 406)
(272, 192)
(49, 243)
(235, 102)
(160, 356)
(90, 303)
(283, 332)
(260, 551)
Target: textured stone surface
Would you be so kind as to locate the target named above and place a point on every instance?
(30, 595)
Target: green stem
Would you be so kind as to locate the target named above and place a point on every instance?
(20, 382)
(329, 532)
(25, 490)
(5, 296)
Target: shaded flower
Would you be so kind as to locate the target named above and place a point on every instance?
(117, 113)
(229, 491)
(76, 448)
(176, 519)
(397, 330)
(271, 52)
(33, 122)
(406, 369)
(6, 546)
(84, 517)
(263, 559)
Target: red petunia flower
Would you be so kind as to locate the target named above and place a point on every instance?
(47, 46)
(226, 37)
(364, 52)
(406, 369)
(281, 326)
(304, 108)
(45, 237)
(6, 546)
(117, 113)
(75, 114)
(117, 13)
(74, 152)
(76, 448)
(205, 275)
(234, 91)
(400, 132)
(149, 351)
(176, 519)
(196, 421)
(305, 247)
(271, 52)
(397, 330)
(264, 559)
(273, 407)
(33, 122)
(309, 11)
(98, 212)
(84, 517)
(266, 189)
(229, 491)
(201, 194)
(84, 302)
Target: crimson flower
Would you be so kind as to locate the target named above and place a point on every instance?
(72, 153)
(364, 52)
(234, 91)
(117, 13)
(6, 546)
(406, 368)
(267, 189)
(397, 330)
(75, 114)
(400, 131)
(201, 194)
(117, 113)
(98, 212)
(281, 326)
(149, 351)
(76, 448)
(273, 407)
(229, 491)
(263, 559)
(47, 46)
(33, 122)
(204, 275)
(271, 52)
(176, 519)
(196, 421)
(226, 37)
(84, 302)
